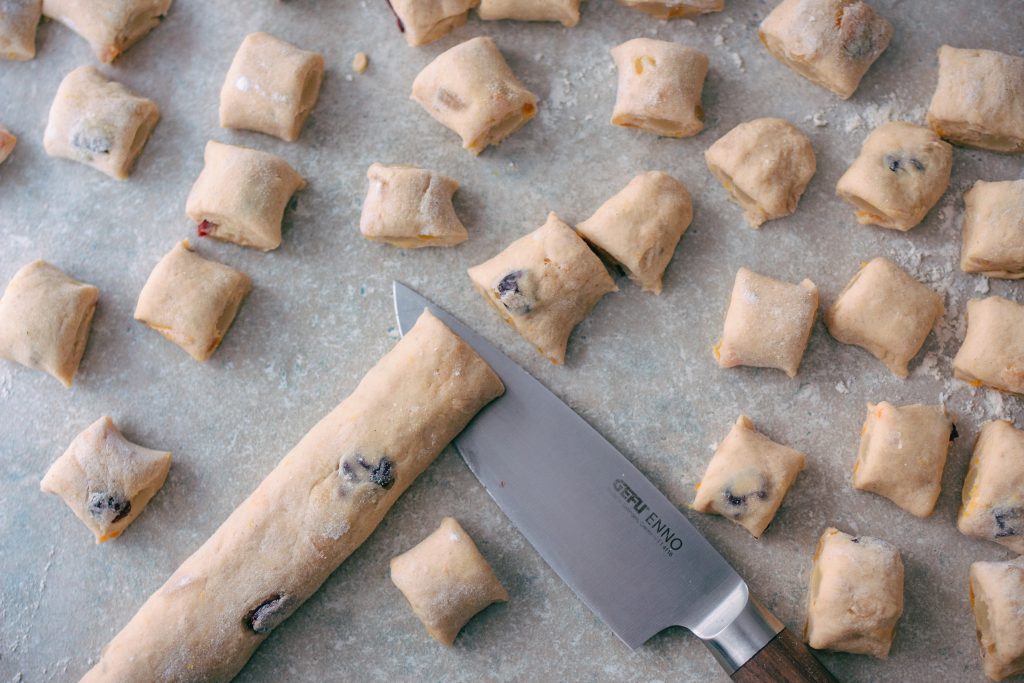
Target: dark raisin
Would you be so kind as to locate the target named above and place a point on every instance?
(744, 487)
(511, 294)
(109, 508)
(733, 499)
(346, 470)
(205, 228)
(1008, 521)
(855, 539)
(398, 20)
(95, 143)
(953, 434)
(383, 474)
(265, 617)
(896, 164)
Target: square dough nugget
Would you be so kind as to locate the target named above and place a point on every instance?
(544, 284)
(271, 87)
(748, 477)
(99, 122)
(660, 86)
(979, 99)
(446, 581)
(993, 232)
(671, 9)
(885, 311)
(18, 22)
(902, 454)
(856, 595)
(997, 598)
(993, 350)
(768, 323)
(900, 174)
(191, 300)
(410, 208)
(105, 479)
(565, 11)
(110, 26)
(640, 226)
(829, 42)
(993, 497)
(471, 90)
(44, 320)
(765, 165)
(241, 195)
(424, 21)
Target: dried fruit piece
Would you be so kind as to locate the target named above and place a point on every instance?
(108, 508)
(265, 617)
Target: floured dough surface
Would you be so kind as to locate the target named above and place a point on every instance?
(993, 350)
(424, 22)
(997, 597)
(993, 229)
(18, 22)
(410, 208)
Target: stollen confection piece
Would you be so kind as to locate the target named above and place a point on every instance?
(993, 495)
(993, 350)
(424, 21)
(565, 11)
(410, 208)
(997, 598)
(110, 26)
(18, 22)
(993, 232)
(671, 9)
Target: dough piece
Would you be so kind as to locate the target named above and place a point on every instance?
(856, 595)
(768, 323)
(979, 99)
(902, 454)
(765, 165)
(18, 22)
(993, 350)
(900, 174)
(271, 87)
(997, 598)
(885, 311)
(446, 581)
(829, 42)
(311, 512)
(565, 11)
(993, 495)
(110, 26)
(7, 143)
(410, 208)
(671, 9)
(241, 195)
(44, 320)
(105, 479)
(192, 301)
(543, 285)
(471, 90)
(424, 21)
(99, 122)
(748, 477)
(994, 229)
(640, 226)
(660, 86)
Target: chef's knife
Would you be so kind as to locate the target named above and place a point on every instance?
(620, 544)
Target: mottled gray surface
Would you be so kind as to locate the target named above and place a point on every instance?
(640, 368)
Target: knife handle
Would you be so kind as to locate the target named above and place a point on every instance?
(784, 658)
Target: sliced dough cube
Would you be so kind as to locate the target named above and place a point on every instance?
(410, 208)
(856, 594)
(271, 87)
(997, 598)
(660, 86)
(671, 9)
(110, 26)
(994, 229)
(993, 497)
(105, 479)
(424, 21)
(565, 11)
(902, 454)
(471, 90)
(639, 227)
(7, 143)
(993, 350)
(768, 323)
(543, 285)
(191, 300)
(765, 165)
(18, 22)
(748, 477)
(885, 311)
(44, 320)
(829, 42)
(979, 99)
(900, 174)
(446, 581)
(99, 122)
(241, 195)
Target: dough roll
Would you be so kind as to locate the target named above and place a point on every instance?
(310, 513)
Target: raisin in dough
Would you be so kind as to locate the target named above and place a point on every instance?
(765, 165)
(191, 300)
(110, 26)
(310, 513)
(471, 90)
(887, 312)
(99, 122)
(979, 99)
(748, 477)
(997, 598)
(424, 21)
(768, 323)
(18, 22)
(856, 595)
(410, 208)
(993, 232)
(993, 350)
(640, 226)
(565, 11)
(44, 320)
(7, 143)
(993, 497)
(543, 285)
(829, 42)
(241, 195)
(660, 86)
(902, 454)
(271, 87)
(446, 581)
(105, 479)
(671, 9)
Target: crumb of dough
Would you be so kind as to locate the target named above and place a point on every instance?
(360, 62)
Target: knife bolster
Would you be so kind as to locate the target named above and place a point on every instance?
(742, 638)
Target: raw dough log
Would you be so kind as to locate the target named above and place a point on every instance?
(424, 21)
(110, 26)
(993, 350)
(997, 597)
(310, 513)
(993, 497)
(410, 208)
(671, 9)
(993, 234)
(18, 22)
(7, 143)
(565, 11)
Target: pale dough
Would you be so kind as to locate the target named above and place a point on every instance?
(424, 21)
(410, 208)
(671, 9)
(565, 11)
(18, 22)
(7, 142)
(997, 597)
(993, 350)
(993, 496)
(110, 26)
(993, 233)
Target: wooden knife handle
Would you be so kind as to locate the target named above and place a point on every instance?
(784, 659)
